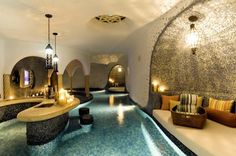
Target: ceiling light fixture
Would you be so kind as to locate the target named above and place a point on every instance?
(192, 39)
(48, 49)
(55, 58)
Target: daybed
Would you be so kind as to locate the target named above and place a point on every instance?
(215, 139)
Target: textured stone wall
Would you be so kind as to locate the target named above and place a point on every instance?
(98, 75)
(211, 72)
(139, 47)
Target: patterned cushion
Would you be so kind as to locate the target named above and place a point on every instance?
(220, 104)
(188, 103)
(166, 101)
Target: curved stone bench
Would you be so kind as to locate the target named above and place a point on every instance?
(10, 108)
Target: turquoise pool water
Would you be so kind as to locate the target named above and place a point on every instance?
(119, 129)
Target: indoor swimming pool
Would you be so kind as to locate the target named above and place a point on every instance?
(119, 129)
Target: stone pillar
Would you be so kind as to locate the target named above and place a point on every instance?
(86, 78)
(60, 82)
(6, 85)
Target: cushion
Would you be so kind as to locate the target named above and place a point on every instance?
(173, 103)
(199, 101)
(188, 103)
(188, 99)
(187, 108)
(225, 118)
(220, 104)
(166, 101)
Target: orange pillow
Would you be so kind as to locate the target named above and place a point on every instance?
(166, 101)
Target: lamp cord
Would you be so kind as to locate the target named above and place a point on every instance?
(55, 44)
(48, 30)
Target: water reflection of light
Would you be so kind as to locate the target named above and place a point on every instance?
(150, 143)
(111, 100)
(120, 113)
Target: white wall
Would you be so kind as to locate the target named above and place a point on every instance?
(15, 50)
(2, 54)
(139, 47)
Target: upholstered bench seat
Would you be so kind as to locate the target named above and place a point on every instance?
(215, 139)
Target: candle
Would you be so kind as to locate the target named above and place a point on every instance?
(62, 97)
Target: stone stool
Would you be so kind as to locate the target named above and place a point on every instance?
(86, 119)
(83, 111)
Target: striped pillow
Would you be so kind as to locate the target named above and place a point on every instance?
(220, 104)
(188, 103)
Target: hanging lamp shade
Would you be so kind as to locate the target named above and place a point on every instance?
(48, 49)
(55, 57)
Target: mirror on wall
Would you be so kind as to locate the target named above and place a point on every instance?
(23, 78)
(26, 78)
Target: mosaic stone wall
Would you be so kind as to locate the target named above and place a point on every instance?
(211, 72)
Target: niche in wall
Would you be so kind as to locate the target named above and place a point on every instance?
(211, 72)
(116, 79)
(23, 88)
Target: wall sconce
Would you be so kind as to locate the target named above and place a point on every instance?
(119, 69)
(161, 89)
(155, 84)
(192, 39)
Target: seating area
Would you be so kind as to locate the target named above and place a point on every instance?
(201, 135)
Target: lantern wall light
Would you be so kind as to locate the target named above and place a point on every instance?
(192, 39)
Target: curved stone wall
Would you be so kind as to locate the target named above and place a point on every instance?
(211, 72)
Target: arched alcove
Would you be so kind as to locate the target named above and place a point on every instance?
(39, 77)
(210, 72)
(116, 79)
(73, 76)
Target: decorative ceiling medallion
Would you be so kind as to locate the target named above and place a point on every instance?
(110, 18)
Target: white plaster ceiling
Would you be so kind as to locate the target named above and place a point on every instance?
(73, 20)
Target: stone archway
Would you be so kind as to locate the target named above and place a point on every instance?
(74, 77)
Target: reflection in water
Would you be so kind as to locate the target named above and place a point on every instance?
(150, 143)
(120, 113)
(111, 100)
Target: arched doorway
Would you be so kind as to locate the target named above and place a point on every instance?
(116, 79)
(74, 80)
(73, 76)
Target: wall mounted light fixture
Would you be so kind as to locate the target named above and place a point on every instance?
(55, 57)
(192, 39)
(48, 49)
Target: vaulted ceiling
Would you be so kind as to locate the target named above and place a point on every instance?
(74, 20)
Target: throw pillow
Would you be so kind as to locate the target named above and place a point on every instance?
(173, 103)
(166, 101)
(220, 104)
